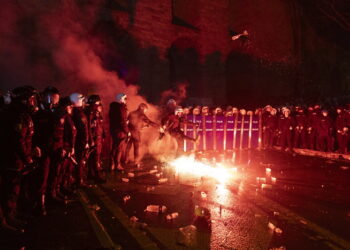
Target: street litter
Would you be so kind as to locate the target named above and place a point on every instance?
(266, 186)
(125, 179)
(153, 171)
(95, 207)
(273, 180)
(162, 180)
(131, 175)
(150, 189)
(155, 209)
(172, 216)
(278, 230)
(303, 222)
(271, 226)
(276, 213)
(203, 195)
(126, 198)
(187, 236)
(133, 219)
(268, 171)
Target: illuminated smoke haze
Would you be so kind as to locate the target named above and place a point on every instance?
(50, 43)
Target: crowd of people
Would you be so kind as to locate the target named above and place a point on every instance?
(295, 126)
(51, 145)
(308, 128)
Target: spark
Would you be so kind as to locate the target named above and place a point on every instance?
(189, 165)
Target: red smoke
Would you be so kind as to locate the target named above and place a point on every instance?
(50, 43)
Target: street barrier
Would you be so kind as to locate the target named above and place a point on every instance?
(220, 133)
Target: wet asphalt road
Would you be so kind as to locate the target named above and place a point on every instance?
(307, 208)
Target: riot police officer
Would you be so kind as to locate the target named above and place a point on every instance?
(16, 151)
(118, 125)
(82, 138)
(97, 135)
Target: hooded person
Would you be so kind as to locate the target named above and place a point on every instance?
(174, 125)
(137, 121)
(118, 126)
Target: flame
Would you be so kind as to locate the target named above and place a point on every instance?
(189, 165)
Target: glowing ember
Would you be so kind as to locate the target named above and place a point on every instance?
(190, 166)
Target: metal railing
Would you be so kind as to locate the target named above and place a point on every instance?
(220, 133)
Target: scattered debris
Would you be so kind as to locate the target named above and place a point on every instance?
(150, 189)
(126, 198)
(278, 231)
(268, 171)
(95, 207)
(271, 226)
(276, 213)
(172, 216)
(125, 180)
(131, 175)
(153, 171)
(162, 180)
(187, 236)
(203, 195)
(266, 186)
(273, 180)
(155, 209)
(303, 222)
(133, 219)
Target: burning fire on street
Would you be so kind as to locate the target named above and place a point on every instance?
(189, 166)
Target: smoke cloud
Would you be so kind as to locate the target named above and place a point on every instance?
(51, 43)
